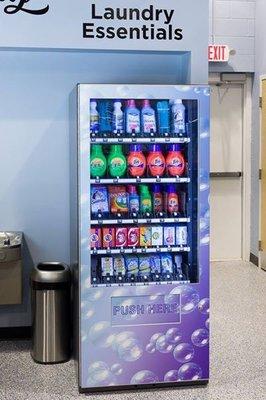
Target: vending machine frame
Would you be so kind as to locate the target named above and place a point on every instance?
(105, 359)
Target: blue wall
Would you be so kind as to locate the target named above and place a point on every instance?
(34, 140)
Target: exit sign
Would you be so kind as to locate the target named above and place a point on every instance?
(218, 53)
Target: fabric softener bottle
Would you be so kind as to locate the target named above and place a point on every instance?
(132, 117)
(98, 162)
(148, 119)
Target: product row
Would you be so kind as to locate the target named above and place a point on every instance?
(139, 268)
(137, 200)
(137, 116)
(138, 162)
(144, 236)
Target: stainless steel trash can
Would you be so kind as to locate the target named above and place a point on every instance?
(51, 314)
(10, 268)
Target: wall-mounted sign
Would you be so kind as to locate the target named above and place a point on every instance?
(104, 24)
(219, 53)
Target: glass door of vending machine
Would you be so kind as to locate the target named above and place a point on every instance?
(143, 207)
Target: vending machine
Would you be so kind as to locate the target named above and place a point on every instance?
(143, 236)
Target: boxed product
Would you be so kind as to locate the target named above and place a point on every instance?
(169, 235)
(107, 266)
(144, 265)
(99, 199)
(167, 263)
(181, 235)
(155, 264)
(118, 199)
(121, 237)
(157, 236)
(96, 238)
(108, 237)
(132, 265)
(133, 237)
(145, 236)
(119, 266)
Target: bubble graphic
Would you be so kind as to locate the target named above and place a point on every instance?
(99, 373)
(207, 323)
(182, 88)
(127, 303)
(130, 350)
(206, 92)
(204, 186)
(204, 306)
(184, 352)
(189, 372)
(171, 376)
(100, 334)
(189, 298)
(205, 240)
(197, 90)
(173, 335)
(150, 348)
(163, 346)
(204, 134)
(200, 337)
(117, 369)
(122, 337)
(143, 377)
(94, 295)
(155, 337)
(204, 224)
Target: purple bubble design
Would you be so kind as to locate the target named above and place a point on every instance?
(200, 337)
(144, 377)
(173, 335)
(184, 352)
(163, 346)
(171, 376)
(189, 372)
(204, 306)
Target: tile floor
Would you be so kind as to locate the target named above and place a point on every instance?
(237, 350)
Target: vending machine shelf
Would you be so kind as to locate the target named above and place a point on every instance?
(138, 180)
(140, 140)
(141, 250)
(139, 221)
(126, 284)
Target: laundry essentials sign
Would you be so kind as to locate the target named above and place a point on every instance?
(147, 16)
(148, 25)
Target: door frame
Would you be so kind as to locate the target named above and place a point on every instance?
(260, 263)
(246, 155)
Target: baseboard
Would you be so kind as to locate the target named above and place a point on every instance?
(15, 333)
(254, 259)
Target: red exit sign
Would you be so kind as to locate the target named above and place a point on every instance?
(218, 53)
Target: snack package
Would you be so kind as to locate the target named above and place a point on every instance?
(99, 199)
(132, 265)
(144, 265)
(133, 237)
(157, 236)
(155, 264)
(167, 263)
(118, 198)
(96, 238)
(108, 237)
(145, 236)
(169, 235)
(107, 265)
(181, 235)
(119, 266)
(121, 237)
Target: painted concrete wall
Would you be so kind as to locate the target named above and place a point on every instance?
(232, 22)
(260, 68)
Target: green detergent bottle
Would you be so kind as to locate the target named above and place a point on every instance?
(117, 163)
(145, 199)
(98, 162)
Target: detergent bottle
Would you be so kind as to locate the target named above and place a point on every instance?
(175, 162)
(136, 161)
(133, 199)
(172, 199)
(132, 117)
(178, 117)
(157, 199)
(94, 117)
(118, 118)
(98, 162)
(156, 161)
(148, 119)
(117, 163)
(145, 199)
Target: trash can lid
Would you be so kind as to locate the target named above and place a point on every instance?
(51, 272)
(10, 239)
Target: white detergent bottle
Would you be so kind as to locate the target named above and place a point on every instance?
(118, 118)
(94, 117)
(178, 117)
